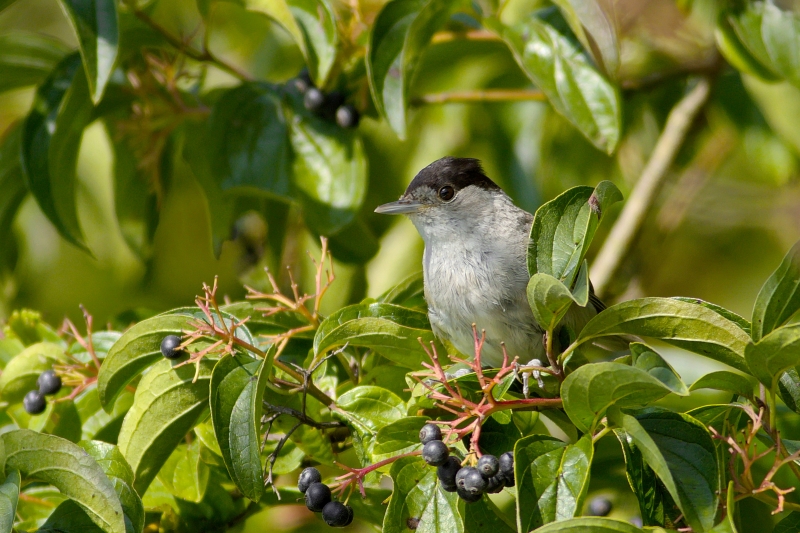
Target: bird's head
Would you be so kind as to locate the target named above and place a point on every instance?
(448, 193)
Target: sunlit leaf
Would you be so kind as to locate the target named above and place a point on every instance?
(27, 58)
(774, 354)
(9, 495)
(23, 370)
(779, 298)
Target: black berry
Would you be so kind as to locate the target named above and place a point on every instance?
(169, 347)
(429, 432)
(337, 514)
(473, 481)
(303, 81)
(468, 496)
(49, 382)
(317, 496)
(507, 468)
(314, 99)
(435, 453)
(307, 477)
(447, 473)
(347, 116)
(599, 506)
(495, 484)
(488, 465)
(34, 402)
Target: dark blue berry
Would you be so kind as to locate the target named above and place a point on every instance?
(599, 506)
(507, 468)
(488, 465)
(429, 432)
(447, 473)
(314, 99)
(49, 382)
(34, 402)
(317, 496)
(473, 481)
(307, 477)
(347, 116)
(435, 453)
(337, 514)
(169, 347)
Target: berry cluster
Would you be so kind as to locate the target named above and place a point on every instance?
(49, 383)
(489, 475)
(318, 499)
(330, 106)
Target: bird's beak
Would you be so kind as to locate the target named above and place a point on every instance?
(400, 207)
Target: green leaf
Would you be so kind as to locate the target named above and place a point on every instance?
(248, 141)
(728, 524)
(399, 35)
(780, 30)
(408, 293)
(69, 517)
(688, 326)
(166, 406)
(95, 25)
(316, 21)
(5, 3)
(330, 172)
(779, 298)
(789, 389)
(237, 389)
(398, 437)
(564, 227)
(96, 423)
(737, 54)
(484, 517)
(367, 409)
(552, 58)
(119, 472)
(590, 525)
(596, 30)
(417, 497)
(27, 58)
(774, 354)
(725, 313)
(593, 388)
(389, 329)
(280, 12)
(643, 481)
(51, 137)
(550, 299)
(136, 350)
(23, 370)
(727, 381)
(647, 359)
(790, 524)
(184, 474)
(9, 496)
(552, 478)
(680, 451)
(70, 469)
(12, 183)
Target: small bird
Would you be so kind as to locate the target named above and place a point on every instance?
(474, 266)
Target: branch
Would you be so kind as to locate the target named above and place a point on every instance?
(301, 417)
(623, 235)
(488, 95)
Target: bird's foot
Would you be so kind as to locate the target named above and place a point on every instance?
(525, 376)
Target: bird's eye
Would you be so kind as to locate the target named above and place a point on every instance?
(446, 193)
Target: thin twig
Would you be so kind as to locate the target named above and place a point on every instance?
(621, 239)
(487, 95)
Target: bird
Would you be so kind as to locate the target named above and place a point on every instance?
(474, 263)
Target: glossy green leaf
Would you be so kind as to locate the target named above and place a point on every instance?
(552, 58)
(166, 406)
(417, 497)
(550, 299)
(643, 481)
(95, 25)
(399, 35)
(738, 54)
(9, 496)
(401, 436)
(779, 298)
(69, 517)
(790, 524)
(317, 22)
(237, 389)
(136, 350)
(688, 326)
(789, 389)
(590, 525)
(330, 172)
(780, 29)
(408, 293)
(551, 478)
(593, 388)
(27, 58)
(564, 227)
(727, 381)
(367, 409)
(71, 470)
(51, 137)
(647, 359)
(391, 330)
(119, 472)
(23, 370)
(595, 29)
(248, 141)
(747, 23)
(680, 451)
(774, 354)
(96, 423)
(184, 474)
(484, 517)
(725, 313)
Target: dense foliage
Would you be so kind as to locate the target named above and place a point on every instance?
(197, 418)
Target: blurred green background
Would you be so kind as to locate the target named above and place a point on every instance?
(728, 213)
